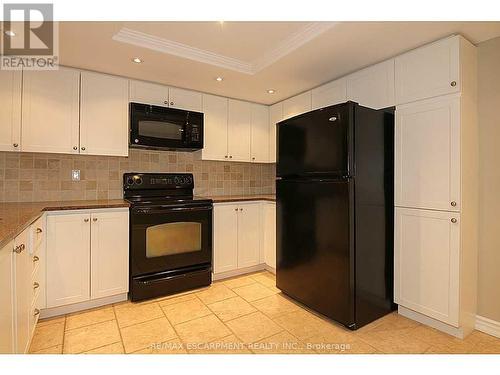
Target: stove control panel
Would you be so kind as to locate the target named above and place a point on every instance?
(154, 181)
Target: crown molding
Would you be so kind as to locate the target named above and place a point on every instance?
(290, 44)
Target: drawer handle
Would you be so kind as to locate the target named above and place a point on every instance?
(39, 230)
(35, 259)
(19, 248)
(36, 312)
(453, 220)
(36, 285)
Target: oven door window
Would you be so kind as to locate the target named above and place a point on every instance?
(160, 129)
(173, 238)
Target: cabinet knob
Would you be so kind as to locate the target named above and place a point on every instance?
(225, 156)
(230, 156)
(171, 103)
(453, 83)
(453, 203)
(83, 149)
(241, 209)
(35, 259)
(36, 312)
(19, 248)
(453, 220)
(36, 285)
(75, 148)
(253, 158)
(15, 145)
(165, 102)
(94, 219)
(39, 230)
(86, 220)
(236, 209)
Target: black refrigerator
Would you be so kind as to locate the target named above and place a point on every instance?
(334, 193)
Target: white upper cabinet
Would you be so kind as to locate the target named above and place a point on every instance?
(109, 253)
(215, 110)
(260, 133)
(50, 113)
(373, 87)
(185, 99)
(297, 105)
(148, 93)
(427, 154)
(239, 130)
(427, 263)
(275, 116)
(428, 71)
(334, 92)
(104, 115)
(10, 110)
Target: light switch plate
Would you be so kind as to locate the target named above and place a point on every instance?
(75, 175)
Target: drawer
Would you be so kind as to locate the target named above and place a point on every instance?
(34, 312)
(38, 233)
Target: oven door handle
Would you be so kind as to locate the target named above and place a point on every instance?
(170, 209)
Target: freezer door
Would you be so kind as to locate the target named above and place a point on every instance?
(315, 246)
(318, 142)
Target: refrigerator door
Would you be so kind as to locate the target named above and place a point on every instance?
(315, 259)
(317, 143)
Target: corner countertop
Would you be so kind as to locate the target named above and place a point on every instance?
(17, 216)
(242, 198)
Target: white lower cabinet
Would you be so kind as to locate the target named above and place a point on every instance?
(7, 337)
(269, 233)
(427, 263)
(87, 255)
(244, 236)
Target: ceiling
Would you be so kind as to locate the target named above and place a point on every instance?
(252, 57)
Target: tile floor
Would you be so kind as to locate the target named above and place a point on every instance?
(246, 314)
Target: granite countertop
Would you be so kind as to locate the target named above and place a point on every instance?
(239, 198)
(15, 217)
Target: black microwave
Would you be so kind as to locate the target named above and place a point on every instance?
(165, 128)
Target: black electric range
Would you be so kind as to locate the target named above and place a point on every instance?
(170, 234)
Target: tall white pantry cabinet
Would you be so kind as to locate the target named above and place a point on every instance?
(436, 192)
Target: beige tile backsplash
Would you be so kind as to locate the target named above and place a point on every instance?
(31, 177)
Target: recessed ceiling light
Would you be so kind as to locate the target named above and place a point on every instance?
(137, 60)
(219, 79)
(10, 33)
(271, 91)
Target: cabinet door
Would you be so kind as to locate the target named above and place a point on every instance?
(23, 291)
(427, 154)
(275, 116)
(428, 71)
(104, 115)
(185, 99)
(297, 105)
(248, 235)
(269, 233)
(6, 300)
(109, 253)
(148, 93)
(50, 114)
(68, 259)
(239, 130)
(10, 110)
(260, 133)
(215, 128)
(427, 261)
(225, 238)
(373, 87)
(332, 93)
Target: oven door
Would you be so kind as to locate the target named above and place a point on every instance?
(164, 239)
